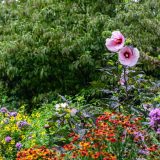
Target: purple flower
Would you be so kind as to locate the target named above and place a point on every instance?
(158, 131)
(8, 139)
(18, 145)
(139, 135)
(3, 110)
(155, 114)
(13, 114)
(142, 151)
(155, 119)
(22, 124)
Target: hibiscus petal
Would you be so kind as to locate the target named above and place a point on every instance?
(110, 44)
(134, 57)
(130, 60)
(116, 42)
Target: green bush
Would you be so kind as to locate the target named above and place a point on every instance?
(47, 45)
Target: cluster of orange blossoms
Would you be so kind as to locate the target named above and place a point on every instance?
(36, 153)
(110, 129)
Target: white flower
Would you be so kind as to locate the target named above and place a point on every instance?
(9, 1)
(64, 105)
(57, 106)
(135, 0)
(60, 106)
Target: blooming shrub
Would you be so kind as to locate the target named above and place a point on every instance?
(19, 130)
(11, 134)
(114, 137)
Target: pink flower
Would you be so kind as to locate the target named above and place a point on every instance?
(116, 42)
(122, 81)
(128, 56)
(73, 111)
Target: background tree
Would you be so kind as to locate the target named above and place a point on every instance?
(57, 46)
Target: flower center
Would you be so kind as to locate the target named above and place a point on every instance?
(118, 41)
(126, 54)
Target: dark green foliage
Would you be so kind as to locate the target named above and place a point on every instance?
(58, 46)
(47, 45)
(140, 21)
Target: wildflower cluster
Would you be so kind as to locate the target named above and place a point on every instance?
(36, 153)
(11, 134)
(18, 130)
(107, 140)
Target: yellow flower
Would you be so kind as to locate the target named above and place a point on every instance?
(43, 133)
(68, 110)
(37, 115)
(3, 141)
(12, 119)
(29, 121)
(10, 148)
(1, 122)
(1, 158)
(6, 114)
(12, 141)
(23, 137)
(33, 143)
(33, 135)
(18, 117)
(14, 128)
(7, 128)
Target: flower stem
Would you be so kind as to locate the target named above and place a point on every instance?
(125, 82)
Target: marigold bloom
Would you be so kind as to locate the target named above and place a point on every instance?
(116, 42)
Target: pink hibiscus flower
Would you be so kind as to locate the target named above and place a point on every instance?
(128, 56)
(116, 42)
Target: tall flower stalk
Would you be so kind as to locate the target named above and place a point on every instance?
(125, 81)
(127, 55)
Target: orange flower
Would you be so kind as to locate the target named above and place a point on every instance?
(84, 145)
(96, 155)
(152, 148)
(74, 155)
(68, 147)
(35, 153)
(83, 152)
